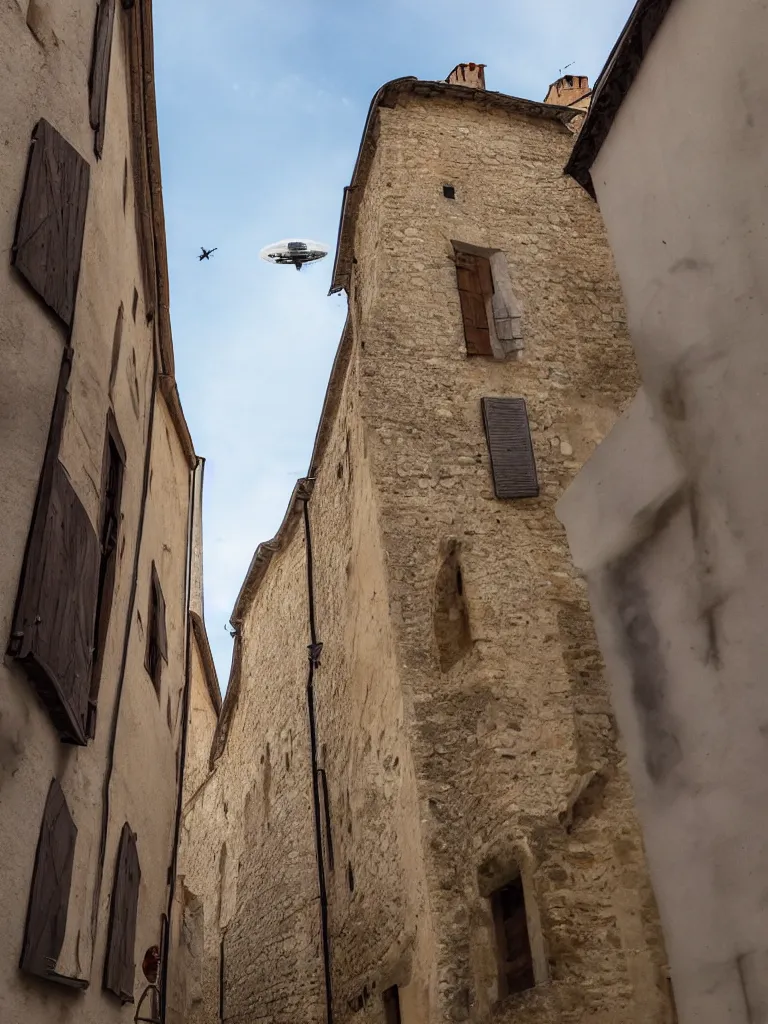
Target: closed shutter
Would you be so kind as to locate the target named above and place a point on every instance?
(109, 519)
(161, 635)
(99, 79)
(473, 274)
(119, 966)
(51, 221)
(509, 443)
(51, 880)
(53, 631)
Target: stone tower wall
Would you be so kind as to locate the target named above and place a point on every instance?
(464, 730)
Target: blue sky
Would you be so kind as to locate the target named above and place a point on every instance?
(261, 108)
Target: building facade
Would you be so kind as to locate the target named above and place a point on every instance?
(667, 520)
(98, 499)
(415, 808)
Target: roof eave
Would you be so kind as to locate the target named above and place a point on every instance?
(613, 85)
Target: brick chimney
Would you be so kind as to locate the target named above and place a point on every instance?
(471, 75)
(570, 91)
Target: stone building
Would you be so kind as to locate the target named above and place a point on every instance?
(415, 808)
(668, 519)
(97, 470)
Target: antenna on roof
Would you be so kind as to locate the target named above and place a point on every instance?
(566, 67)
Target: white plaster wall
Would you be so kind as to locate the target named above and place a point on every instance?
(681, 185)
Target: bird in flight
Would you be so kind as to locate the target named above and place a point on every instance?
(205, 254)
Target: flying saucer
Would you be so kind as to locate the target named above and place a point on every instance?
(294, 251)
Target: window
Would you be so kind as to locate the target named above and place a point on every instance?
(111, 493)
(51, 221)
(449, 191)
(99, 77)
(450, 616)
(157, 639)
(117, 340)
(55, 615)
(391, 1000)
(509, 442)
(120, 965)
(49, 894)
(513, 949)
(490, 310)
(473, 275)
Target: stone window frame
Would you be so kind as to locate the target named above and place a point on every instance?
(498, 870)
(504, 310)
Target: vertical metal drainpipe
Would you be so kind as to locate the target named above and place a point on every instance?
(314, 654)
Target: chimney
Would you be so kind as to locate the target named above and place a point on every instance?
(570, 91)
(471, 75)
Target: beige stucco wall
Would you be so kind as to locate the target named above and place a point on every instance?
(668, 518)
(202, 725)
(49, 79)
(439, 781)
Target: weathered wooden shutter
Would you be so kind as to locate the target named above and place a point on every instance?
(51, 221)
(51, 880)
(109, 527)
(98, 83)
(161, 635)
(473, 274)
(509, 443)
(55, 615)
(119, 966)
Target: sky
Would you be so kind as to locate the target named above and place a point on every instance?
(261, 106)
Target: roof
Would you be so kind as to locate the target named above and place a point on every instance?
(387, 96)
(151, 214)
(612, 86)
(211, 678)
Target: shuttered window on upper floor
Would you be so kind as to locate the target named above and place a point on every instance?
(109, 520)
(51, 220)
(120, 962)
(510, 447)
(55, 615)
(475, 282)
(98, 83)
(49, 893)
(157, 636)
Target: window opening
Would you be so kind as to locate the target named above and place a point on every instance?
(449, 191)
(157, 641)
(112, 489)
(391, 1000)
(513, 948)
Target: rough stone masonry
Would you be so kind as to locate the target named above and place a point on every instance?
(433, 821)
